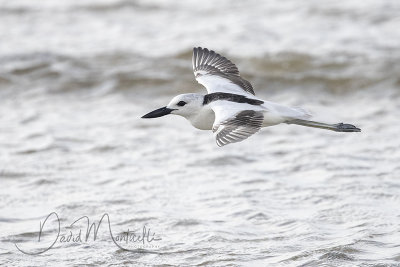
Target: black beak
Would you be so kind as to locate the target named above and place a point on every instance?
(158, 113)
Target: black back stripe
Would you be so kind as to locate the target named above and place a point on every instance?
(230, 97)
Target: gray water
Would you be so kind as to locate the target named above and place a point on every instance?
(76, 76)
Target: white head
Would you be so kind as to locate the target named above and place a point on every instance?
(185, 105)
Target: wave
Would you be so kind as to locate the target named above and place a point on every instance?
(337, 73)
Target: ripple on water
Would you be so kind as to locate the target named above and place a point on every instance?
(72, 141)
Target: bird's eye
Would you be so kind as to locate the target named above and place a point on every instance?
(181, 103)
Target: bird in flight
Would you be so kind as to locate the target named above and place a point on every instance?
(231, 109)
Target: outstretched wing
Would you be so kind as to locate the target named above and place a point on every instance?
(233, 125)
(217, 73)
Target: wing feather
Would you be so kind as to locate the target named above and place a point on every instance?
(235, 129)
(217, 73)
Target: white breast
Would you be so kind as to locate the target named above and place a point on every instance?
(203, 120)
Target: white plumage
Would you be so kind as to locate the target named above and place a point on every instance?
(231, 109)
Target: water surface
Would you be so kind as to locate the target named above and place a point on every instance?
(76, 76)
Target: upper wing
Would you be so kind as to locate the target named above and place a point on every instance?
(217, 73)
(233, 125)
